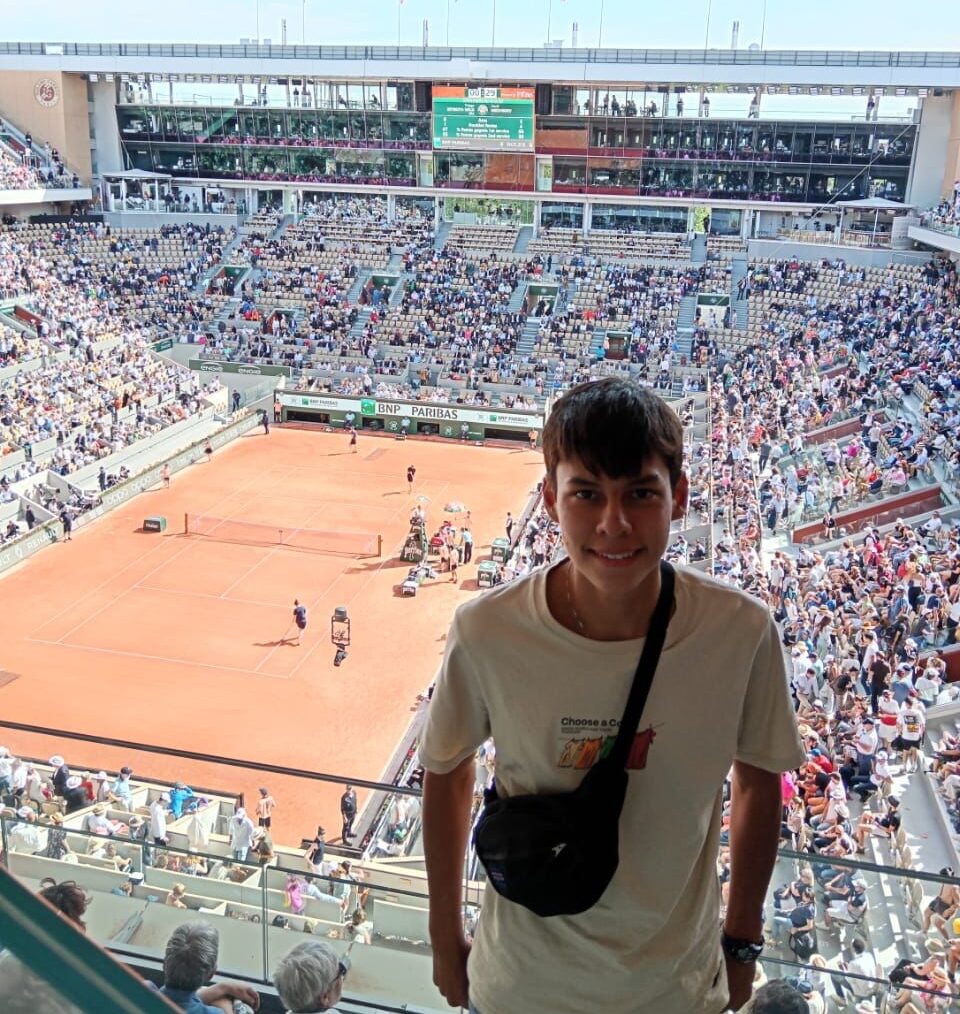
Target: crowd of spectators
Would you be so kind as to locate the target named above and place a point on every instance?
(99, 388)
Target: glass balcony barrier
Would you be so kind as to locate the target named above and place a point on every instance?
(871, 931)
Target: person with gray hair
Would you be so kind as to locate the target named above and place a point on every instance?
(310, 977)
(190, 962)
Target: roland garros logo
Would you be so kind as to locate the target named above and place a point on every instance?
(45, 92)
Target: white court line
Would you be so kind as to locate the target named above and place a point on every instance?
(132, 563)
(150, 573)
(373, 573)
(263, 559)
(206, 595)
(154, 658)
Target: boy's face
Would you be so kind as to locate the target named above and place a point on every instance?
(615, 530)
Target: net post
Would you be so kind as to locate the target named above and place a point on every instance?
(186, 524)
(379, 545)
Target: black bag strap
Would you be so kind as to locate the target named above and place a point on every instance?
(646, 668)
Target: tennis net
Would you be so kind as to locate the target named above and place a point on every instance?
(317, 540)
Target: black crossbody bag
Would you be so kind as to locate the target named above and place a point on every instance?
(555, 854)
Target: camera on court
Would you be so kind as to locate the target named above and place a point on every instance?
(340, 634)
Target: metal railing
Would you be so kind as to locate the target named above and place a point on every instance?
(709, 57)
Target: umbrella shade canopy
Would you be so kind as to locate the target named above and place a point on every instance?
(455, 507)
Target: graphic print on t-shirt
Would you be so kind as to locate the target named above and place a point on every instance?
(584, 741)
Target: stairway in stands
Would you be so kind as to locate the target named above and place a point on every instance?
(698, 249)
(741, 307)
(396, 294)
(363, 316)
(353, 293)
(281, 228)
(686, 320)
(523, 239)
(528, 337)
(515, 303)
(441, 236)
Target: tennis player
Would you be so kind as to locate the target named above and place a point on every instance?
(300, 618)
(411, 475)
(353, 439)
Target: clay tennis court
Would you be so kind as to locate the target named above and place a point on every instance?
(188, 641)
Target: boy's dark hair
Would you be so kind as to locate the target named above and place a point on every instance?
(778, 997)
(613, 426)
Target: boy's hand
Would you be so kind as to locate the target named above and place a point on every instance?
(450, 970)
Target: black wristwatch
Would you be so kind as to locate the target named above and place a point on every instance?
(745, 952)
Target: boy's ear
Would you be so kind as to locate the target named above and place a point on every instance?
(550, 498)
(681, 495)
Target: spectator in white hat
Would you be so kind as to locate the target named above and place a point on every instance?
(241, 835)
(101, 787)
(74, 794)
(61, 772)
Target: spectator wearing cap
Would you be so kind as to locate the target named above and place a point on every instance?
(880, 776)
(310, 977)
(26, 835)
(74, 794)
(867, 740)
(101, 787)
(120, 790)
(241, 835)
(848, 910)
(60, 774)
(179, 795)
(815, 1002)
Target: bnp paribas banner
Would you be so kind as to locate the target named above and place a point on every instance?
(423, 410)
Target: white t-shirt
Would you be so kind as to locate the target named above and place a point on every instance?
(552, 699)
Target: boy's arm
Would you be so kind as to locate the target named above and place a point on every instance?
(754, 836)
(447, 801)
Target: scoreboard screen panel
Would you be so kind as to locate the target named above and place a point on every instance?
(483, 118)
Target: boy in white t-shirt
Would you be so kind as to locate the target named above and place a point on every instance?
(544, 665)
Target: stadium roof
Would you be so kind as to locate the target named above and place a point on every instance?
(874, 204)
(842, 71)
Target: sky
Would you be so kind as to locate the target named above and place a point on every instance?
(823, 24)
